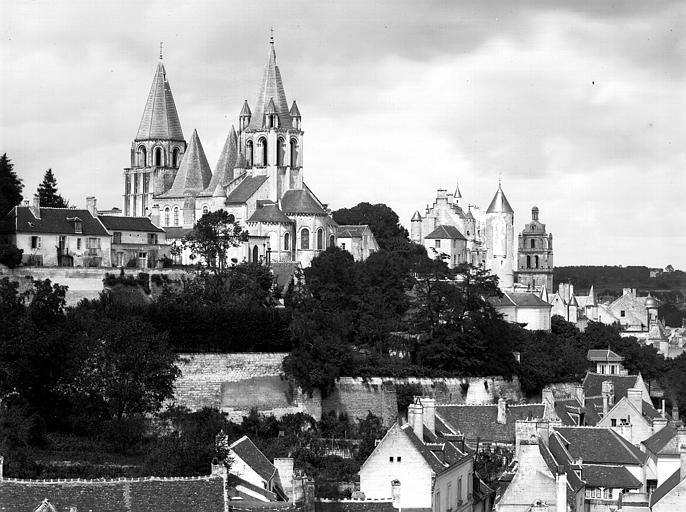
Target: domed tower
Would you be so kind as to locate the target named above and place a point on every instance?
(500, 239)
(535, 255)
(157, 149)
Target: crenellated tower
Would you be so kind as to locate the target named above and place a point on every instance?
(157, 150)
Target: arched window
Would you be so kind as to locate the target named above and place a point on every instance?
(287, 242)
(249, 153)
(280, 152)
(176, 215)
(167, 213)
(175, 157)
(320, 239)
(536, 260)
(262, 152)
(158, 156)
(332, 241)
(142, 154)
(528, 262)
(255, 254)
(533, 243)
(205, 209)
(294, 152)
(305, 239)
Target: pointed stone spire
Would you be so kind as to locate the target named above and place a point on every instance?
(271, 108)
(240, 164)
(223, 172)
(160, 119)
(500, 204)
(544, 293)
(457, 194)
(416, 216)
(194, 174)
(295, 111)
(592, 301)
(245, 111)
(271, 87)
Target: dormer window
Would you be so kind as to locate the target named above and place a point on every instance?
(78, 225)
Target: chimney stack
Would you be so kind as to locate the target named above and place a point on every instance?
(681, 445)
(561, 489)
(155, 215)
(502, 411)
(414, 418)
(580, 395)
(659, 423)
(675, 412)
(548, 402)
(35, 206)
(608, 392)
(90, 205)
(635, 397)
(429, 413)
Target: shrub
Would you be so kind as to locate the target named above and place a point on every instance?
(10, 255)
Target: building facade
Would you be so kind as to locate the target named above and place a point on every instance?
(535, 255)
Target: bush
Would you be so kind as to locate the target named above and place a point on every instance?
(10, 255)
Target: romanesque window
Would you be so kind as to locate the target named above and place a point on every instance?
(158, 156)
(294, 153)
(167, 213)
(280, 152)
(332, 241)
(142, 154)
(305, 239)
(255, 254)
(533, 244)
(320, 239)
(287, 242)
(249, 153)
(262, 151)
(176, 215)
(528, 262)
(175, 157)
(536, 260)
(146, 183)
(205, 209)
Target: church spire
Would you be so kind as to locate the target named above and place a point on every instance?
(223, 173)
(194, 174)
(271, 88)
(160, 119)
(500, 204)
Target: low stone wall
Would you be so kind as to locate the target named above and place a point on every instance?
(357, 397)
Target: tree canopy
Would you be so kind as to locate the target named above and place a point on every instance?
(47, 191)
(11, 186)
(382, 220)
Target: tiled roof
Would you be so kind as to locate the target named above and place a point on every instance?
(666, 487)
(271, 88)
(604, 355)
(55, 220)
(564, 408)
(176, 232)
(481, 420)
(663, 442)
(593, 384)
(352, 231)
(269, 212)
(204, 494)
(253, 457)
(121, 223)
(600, 446)
(194, 174)
(160, 119)
(614, 476)
(446, 232)
(500, 204)
(301, 201)
(223, 173)
(519, 299)
(245, 189)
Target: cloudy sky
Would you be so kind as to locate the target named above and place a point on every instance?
(578, 106)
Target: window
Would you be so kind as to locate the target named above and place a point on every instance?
(146, 183)
(62, 243)
(262, 152)
(78, 227)
(294, 153)
(390, 459)
(607, 494)
(175, 157)
(152, 238)
(437, 244)
(116, 237)
(176, 215)
(305, 239)
(142, 156)
(622, 313)
(205, 209)
(613, 422)
(93, 243)
(280, 152)
(36, 242)
(399, 459)
(167, 213)
(459, 490)
(449, 497)
(78, 244)
(536, 260)
(320, 239)
(127, 184)
(287, 242)
(249, 153)
(533, 244)
(528, 261)
(158, 156)
(332, 241)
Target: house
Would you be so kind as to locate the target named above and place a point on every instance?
(52, 237)
(663, 450)
(607, 362)
(357, 240)
(447, 243)
(671, 494)
(633, 418)
(421, 470)
(524, 308)
(258, 479)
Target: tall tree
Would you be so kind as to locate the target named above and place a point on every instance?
(47, 191)
(382, 220)
(11, 186)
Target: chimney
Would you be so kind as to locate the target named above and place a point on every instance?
(502, 411)
(663, 410)
(561, 489)
(675, 412)
(608, 392)
(681, 445)
(548, 402)
(35, 206)
(580, 395)
(635, 397)
(155, 215)
(429, 413)
(414, 418)
(659, 423)
(90, 205)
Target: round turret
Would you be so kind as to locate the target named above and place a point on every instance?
(651, 303)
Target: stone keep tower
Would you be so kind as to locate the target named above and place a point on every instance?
(535, 255)
(500, 239)
(156, 151)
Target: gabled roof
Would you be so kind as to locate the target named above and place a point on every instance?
(482, 420)
(253, 457)
(160, 120)
(446, 232)
(436, 465)
(271, 88)
(564, 409)
(519, 299)
(301, 201)
(121, 223)
(177, 232)
(596, 445)
(614, 476)
(605, 355)
(666, 487)
(352, 230)
(53, 220)
(245, 189)
(593, 384)
(663, 442)
(269, 212)
(500, 204)
(223, 172)
(194, 174)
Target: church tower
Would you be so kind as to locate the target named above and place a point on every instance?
(500, 239)
(157, 149)
(270, 136)
(535, 255)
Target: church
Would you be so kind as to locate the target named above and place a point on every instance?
(258, 177)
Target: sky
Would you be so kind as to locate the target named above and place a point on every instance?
(578, 107)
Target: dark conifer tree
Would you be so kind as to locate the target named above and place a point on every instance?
(47, 191)
(10, 186)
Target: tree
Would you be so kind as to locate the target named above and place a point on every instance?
(212, 237)
(47, 191)
(382, 220)
(11, 186)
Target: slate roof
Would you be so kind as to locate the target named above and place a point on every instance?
(564, 408)
(416, 215)
(600, 446)
(301, 202)
(253, 457)
(53, 220)
(245, 189)
(446, 232)
(520, 300)
(481, 420)
(352, 231)
(160, 119)
(295, 111)
(121, 223)
(663, 442)
(500, 204)
(201, 494)
(436, 465)
(271, 88)
(604, 355)
(223, 172)
(666, 487)
(269, 212)
(194, 174)
(593, 384)
(176, 232)
(596, 475)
